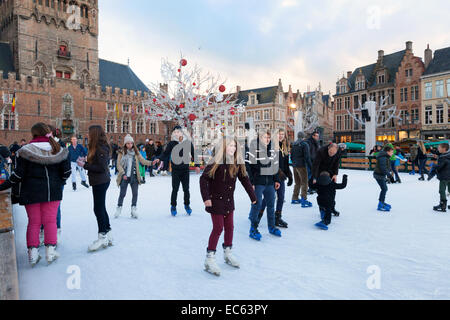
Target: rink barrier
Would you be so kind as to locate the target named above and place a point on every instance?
(369, 163)
(9, 280)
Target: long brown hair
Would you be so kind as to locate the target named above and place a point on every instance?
(284, 144)
(97, 138)
(125, 149)
(422, 147)
(42, 130)
(220, 157)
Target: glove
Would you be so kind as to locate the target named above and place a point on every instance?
(290, 181)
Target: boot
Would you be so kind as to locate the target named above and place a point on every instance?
(335, 212)
(101, 243)
(442, 207)
(173, 211)
(188, 209)
(422, 178)
(33, 256)
(229, 258)
(50, 254)
(118, 212)
(279, 221)
(110, 238)
(211, 264)
(74, 186)
(134, 214)
(254, 234)
(84, 184)
(305, 203)
(274, 231)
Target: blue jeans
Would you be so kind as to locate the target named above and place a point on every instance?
(268, 192)
(394, 170)
(422, 169)
(383, 185)
(280, 198)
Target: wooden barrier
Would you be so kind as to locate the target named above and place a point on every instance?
(369, 163)
(9, 283)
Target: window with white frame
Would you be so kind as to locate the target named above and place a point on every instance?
(126, 108)
(409, 73)
(110, 126)
(381, 78)
(439, 88)
(347, 123)
(125, 126)
(428, 115)
(249, 114)
(140, 126)
(253, 99)
(414, 115)
(266, 114)
(110, 107)
(448, 87)
(347, 103)
(280, 98)
(139, 109)
(338, 123)
(9, 120)
(152, 128)
(415, 93)
(429, 90)
(439, 114)
(257, 115)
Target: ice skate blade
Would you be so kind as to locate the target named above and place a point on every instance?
(231, 265)
(34, 264)
(213, 273)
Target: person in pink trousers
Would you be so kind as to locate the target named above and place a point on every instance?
(42, 169)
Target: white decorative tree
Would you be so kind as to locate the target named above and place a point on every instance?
(379, 115)
(306, 118)
(188, 95)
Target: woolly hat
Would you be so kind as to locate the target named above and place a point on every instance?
(177, 128)
(301, 135)
(127, 139)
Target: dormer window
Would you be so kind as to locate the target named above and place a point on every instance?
(381, 78)
(253, 100)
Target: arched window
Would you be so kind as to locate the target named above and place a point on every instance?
(9, 119)
(111, 123)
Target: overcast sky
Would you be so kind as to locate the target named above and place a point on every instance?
(253, 43)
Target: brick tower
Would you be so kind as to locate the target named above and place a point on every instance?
(52, 38)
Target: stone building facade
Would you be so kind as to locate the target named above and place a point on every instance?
(50, 61)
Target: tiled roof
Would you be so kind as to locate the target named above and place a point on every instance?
(440, 62)
(121, 76)
(264, 95)
(391, 62)
(6, 59)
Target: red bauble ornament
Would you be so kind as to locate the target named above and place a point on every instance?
(228, 102)
(183, 62)
(181, 106)
(233, 113)
(195, 98)
(179, 70)
(192, 117)
(194, 84)
(222, 88)
(154, 100)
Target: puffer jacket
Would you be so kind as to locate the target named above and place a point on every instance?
(443, 167)
(383, 167)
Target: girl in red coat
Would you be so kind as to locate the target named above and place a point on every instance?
(217, 185)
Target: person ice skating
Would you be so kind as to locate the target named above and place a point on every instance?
(97, 166)
(217, 185)
(413, 151)
(174, 153)
(150, 150)
(327, 159)
(443, 174)
(422, 159)
(326, 193)
(262, 167)
(314, 146)
(142, 168)
(41, 170)
(128, 164)
(284, 174)
(77, 151)
(381, 172)
(301, 160)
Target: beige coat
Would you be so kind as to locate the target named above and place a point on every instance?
(121, 170)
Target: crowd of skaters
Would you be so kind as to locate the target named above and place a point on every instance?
(45, 163)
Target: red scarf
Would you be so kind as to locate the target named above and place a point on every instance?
(40, 139)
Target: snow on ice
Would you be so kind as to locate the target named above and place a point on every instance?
(366, 254)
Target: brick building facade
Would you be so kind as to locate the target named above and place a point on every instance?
(57, 76)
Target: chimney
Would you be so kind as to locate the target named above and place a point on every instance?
(238, 89)
(380, 55)
(349, 74)
(409, 45)
(428, 56)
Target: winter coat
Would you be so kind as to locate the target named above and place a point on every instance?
(443, 167)
(326, 190)
(75, 153)
(300, 154)
(257, 161)
(414, 152)
(39, 174)
(324, 162)
(114, 151)
(314, 147)
(139, 159)
(98, 169)
(166, 156)
(159, 151)
(150, 151)
(383, 166)
(220, 189)
(421, 155)
(285, 170)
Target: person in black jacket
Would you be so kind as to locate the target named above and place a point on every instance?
(41, 170)
(284, 174)
(381, 172)
(326, 190)
(443, 173)
(180, 168)
(97, 165)
(314, 146)
(263, 166)
(301, 161)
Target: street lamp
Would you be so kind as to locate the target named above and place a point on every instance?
(293, 106)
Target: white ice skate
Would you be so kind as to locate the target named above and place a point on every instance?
(118, 212)
(41, 238)
(164, 173)
(50, 254)
(134, 214)
(33, 256)
(101, 243)
(211, 265)
(229, 258)
(110, 238)
(155, 172)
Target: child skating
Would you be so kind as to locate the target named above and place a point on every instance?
(381, 173)
(128, 164)
(443, 174)
(217, 185)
